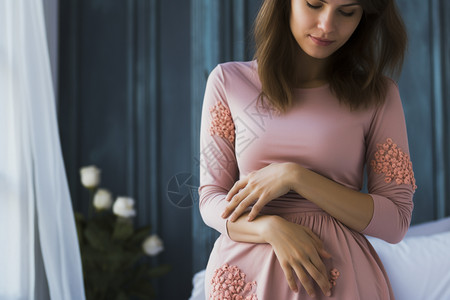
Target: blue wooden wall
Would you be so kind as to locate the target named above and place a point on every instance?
(423, 89)
(132, 77)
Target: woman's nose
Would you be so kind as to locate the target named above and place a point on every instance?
(326, 21)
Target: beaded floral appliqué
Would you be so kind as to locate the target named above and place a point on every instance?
(334, 275)
(228, 283)
(222, 123)
(394, 164)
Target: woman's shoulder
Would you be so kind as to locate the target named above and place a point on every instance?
(391, 84)
(392, 91)
(238, 65)
(233, 69)
(392, 99)
(390, 95)
(235, 74)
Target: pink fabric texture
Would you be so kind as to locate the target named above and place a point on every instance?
(322, 135)
(394, 164)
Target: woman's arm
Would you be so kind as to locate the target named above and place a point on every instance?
(352, 208)
(384, 213)
(249, 232)
(298, 249)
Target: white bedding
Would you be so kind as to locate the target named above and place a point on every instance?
(418, 267)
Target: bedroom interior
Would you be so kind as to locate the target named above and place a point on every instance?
(128, 80)
(170, 48)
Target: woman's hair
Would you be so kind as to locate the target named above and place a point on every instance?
(358, 68)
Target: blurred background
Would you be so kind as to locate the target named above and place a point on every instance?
(130, 77)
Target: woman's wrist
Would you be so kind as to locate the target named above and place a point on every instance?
(269, 226)
(293, 174)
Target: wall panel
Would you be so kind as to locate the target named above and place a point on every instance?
(132, 78)
(124, 92)
(444, 64)
(221, 31)
(416, 89)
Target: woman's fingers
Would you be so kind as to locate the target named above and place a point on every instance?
(289, 274)
(314, 264)
(263, 199)
(318, 243)
(242, 206)
(301, 254)
(318, 272)
(241, 201)
(240, 184)
(263, 185)
(304, 279)
(323, 253)
(235, 202)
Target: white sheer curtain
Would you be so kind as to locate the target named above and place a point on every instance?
(37, 230)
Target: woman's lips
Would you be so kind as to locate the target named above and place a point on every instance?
(321, 42)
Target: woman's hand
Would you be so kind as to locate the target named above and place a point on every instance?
(299, 253)
(259, 186)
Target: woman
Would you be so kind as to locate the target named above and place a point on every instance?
(284, 142)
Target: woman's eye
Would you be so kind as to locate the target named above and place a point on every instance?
(313, 6)
(347, 14)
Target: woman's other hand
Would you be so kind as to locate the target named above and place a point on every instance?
(259, 187)
(299, 252)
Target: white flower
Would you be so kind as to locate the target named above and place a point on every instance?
(124, 207)
(102, 199)
(153, 245)
(90, 176)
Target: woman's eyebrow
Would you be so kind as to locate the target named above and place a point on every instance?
(350, 4)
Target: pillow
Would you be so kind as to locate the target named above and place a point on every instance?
(198, 282)
(418, 267)
(430, 227)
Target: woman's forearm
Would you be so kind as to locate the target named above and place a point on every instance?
(352, 208)
(299, 251)
(251, 232)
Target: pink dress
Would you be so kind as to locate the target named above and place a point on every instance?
(239, 136)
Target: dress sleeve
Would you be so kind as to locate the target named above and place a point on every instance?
(391, 181)
(218, 167)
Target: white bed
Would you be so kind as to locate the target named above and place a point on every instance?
(418, 266)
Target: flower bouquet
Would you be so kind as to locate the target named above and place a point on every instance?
(114, 254)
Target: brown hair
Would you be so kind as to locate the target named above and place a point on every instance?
(376, 48)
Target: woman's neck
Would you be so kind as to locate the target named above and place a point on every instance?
(311, 72)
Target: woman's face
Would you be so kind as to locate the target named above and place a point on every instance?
(321, 27)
